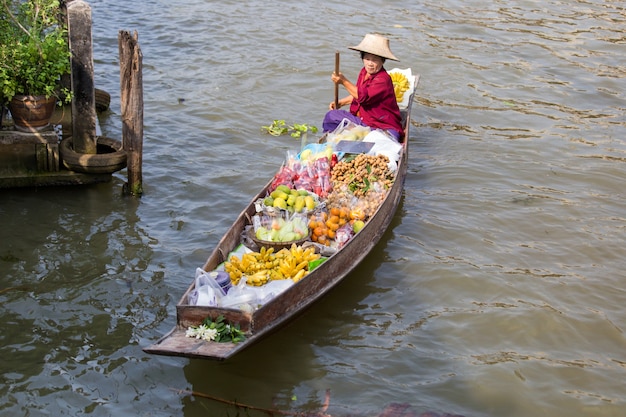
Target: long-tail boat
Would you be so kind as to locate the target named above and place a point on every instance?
(283, 308)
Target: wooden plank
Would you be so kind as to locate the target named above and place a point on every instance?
(15, 137)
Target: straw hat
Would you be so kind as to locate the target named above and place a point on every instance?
(375, 44)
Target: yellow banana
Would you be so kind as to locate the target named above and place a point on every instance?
(400, 84)
(260, 267)
(299, 275)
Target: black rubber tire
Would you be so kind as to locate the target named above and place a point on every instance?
(103, 100)
(109, 159)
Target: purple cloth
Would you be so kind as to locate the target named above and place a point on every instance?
(334, 117)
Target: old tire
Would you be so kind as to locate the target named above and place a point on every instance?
(103, 100)
(109, 159)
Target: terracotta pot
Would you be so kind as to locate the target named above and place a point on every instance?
(32, 113)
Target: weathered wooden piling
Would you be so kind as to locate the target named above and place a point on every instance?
(82, 77)
(131, 103)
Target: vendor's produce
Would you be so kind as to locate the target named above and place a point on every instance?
(260, 267)
(361, 208)
(351, 132)
(313, 177)
(400, 84)
(290, 199)
(325, 224)
(280, 229)
(362, 172)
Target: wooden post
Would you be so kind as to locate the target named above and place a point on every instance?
(83, 90)
(131, 84)
(336, 85)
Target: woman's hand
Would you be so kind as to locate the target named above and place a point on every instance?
(342, 102)
(338, 78)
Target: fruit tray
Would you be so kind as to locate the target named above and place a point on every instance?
(276, 245)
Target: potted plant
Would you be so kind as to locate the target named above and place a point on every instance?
(34, 54)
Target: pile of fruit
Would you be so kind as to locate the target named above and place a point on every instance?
(362, 172)
(260, 267)
(400, 84)
(359, 183)
(279, 229)
(290, 199)
(316, 196)
(313, 176)
(326, 225)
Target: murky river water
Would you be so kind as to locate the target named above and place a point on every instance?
(497, 291)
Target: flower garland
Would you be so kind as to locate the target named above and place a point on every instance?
(218, 331)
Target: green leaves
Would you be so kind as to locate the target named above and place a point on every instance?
(226, 332)
(34, 50)
(279, 127)
(299, 129)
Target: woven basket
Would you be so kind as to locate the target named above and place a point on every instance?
(276, 245)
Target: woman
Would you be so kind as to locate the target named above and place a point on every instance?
(372, 100)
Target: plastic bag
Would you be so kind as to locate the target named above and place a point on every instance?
(347, 130)
(207, 291)
(241, 296)
(267, 292)
(385, 145)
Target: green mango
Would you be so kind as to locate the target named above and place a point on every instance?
(279, 194)
(280, 203)
(284, 189)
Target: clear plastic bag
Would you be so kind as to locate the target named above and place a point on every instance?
(207, 291)
(241, 297)
(348, 130)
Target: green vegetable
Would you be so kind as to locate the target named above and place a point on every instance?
(279, 127)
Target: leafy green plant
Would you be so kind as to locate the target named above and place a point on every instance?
(280, 127)
(217, 330)
(34, 50)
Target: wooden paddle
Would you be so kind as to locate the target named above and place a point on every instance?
(336, 84)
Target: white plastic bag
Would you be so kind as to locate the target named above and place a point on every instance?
(384, 145)
(241, 296)
(207, 291)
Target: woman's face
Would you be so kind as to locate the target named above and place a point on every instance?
(372, 63)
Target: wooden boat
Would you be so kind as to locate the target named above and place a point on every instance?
(294, 300)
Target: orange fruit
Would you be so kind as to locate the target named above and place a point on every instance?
(334, 211)
(357, 214)
(331, 234)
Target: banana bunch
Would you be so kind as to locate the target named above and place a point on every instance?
(289, 269)
(254, 265)
(260, 267)
(400, 84)
(258, 278)
(294, 262)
